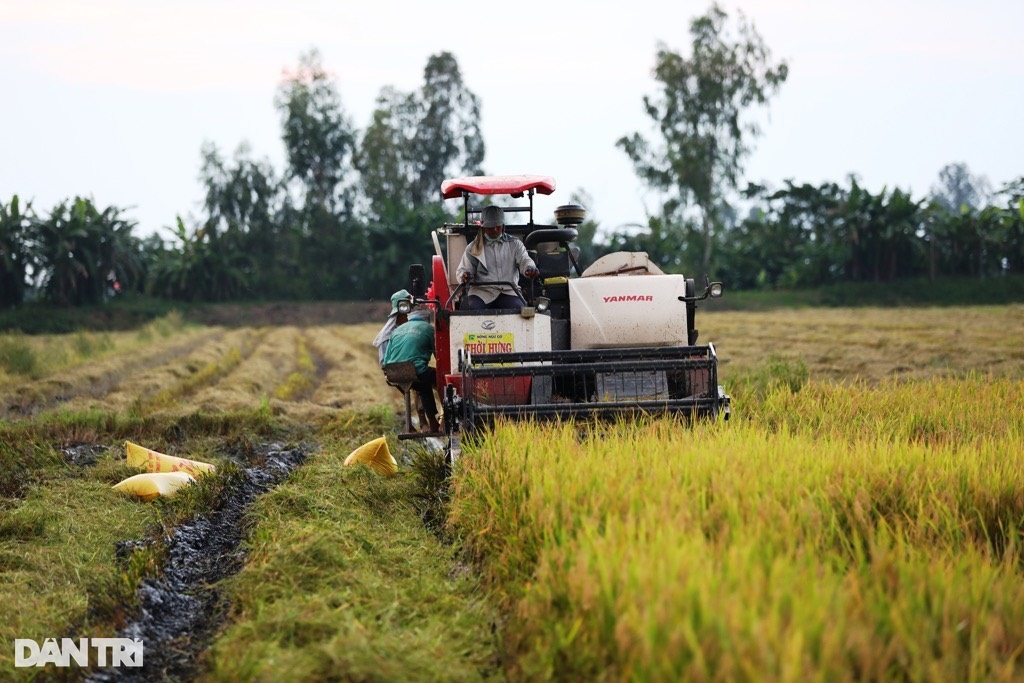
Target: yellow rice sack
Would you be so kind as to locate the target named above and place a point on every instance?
(152, 485)
(154, 461)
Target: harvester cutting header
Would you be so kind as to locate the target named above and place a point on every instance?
(615, 337)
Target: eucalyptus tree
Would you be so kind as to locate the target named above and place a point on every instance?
(447, 139)
(384, 156)
(415, 140)
(317, 134)
(958, 187)
(699, 116)
(320, 143)
(243, 203)
(412, 143)
(396, 230)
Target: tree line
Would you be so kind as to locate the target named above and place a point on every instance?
(352, 208)
(804, 235)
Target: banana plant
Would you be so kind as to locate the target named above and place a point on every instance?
(17, 255)
(83, 251)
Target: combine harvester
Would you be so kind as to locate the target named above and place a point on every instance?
(615, 338)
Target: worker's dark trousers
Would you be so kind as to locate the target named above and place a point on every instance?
(424, 386)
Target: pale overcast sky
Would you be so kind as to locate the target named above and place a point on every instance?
(112, 99)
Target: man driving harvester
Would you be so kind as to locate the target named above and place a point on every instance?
(491, 258)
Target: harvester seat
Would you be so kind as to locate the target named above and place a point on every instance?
(556, 262)
(402, 376)
(550, 250)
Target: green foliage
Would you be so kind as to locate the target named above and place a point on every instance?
(317, 135)
(78, 255)
(342, 238)
(807, 236)
(447, 139)
(17, 254)
(86, 344)
(21, 461)
(83, 251)
(353, 208)
(413, 143)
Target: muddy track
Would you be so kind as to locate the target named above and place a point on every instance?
(181, 609)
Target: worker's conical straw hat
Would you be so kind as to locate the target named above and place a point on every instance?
(375, 455)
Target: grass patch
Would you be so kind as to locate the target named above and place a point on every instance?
(58, 556)
(344, 582)
(87, 344)
(16, 356)
(22, 460)
(776, 372)
(61, 524)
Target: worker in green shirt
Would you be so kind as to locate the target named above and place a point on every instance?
(414, 342)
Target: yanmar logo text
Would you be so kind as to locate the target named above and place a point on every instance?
(628, 297)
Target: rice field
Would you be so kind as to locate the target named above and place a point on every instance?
(300, 371)
(858, 518)
(778, 547)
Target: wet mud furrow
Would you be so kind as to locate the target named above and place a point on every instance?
(181, 609)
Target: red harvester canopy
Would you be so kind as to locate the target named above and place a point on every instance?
(497, 184)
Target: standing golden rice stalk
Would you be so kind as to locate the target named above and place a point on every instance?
(839, 533)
